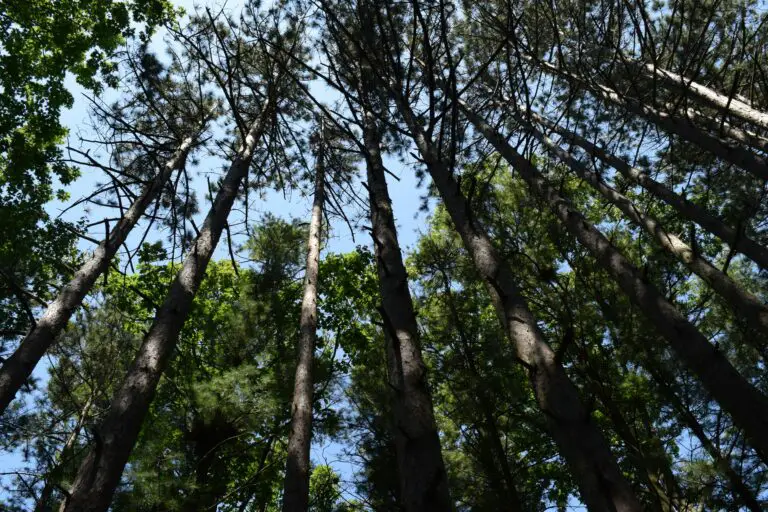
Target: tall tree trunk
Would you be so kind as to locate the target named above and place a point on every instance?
(755, 164)
(17, 368)
(744, 305)
(735, 238)
(421, 472)
(100, 472)
(602, 486)
(296, 487)
(711, 97)
(747, 405)
(741, 491)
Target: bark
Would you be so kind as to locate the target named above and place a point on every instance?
(422, 475)
(740, 157)
(17, 368)
(744, 304)
(602, 486)
(711, 97)
(100, 471)
(296, 487)
(747, 405)
(734, 238)
(741, 491)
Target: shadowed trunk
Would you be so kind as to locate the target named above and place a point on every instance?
(102, 467)
(17, 368)
(422, 475)
(296, 487)
(747, 405)
(602, 486)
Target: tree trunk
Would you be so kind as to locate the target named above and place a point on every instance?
(747, 405)
(100, 472)
(744, 305)
(22, 362)
(421, 472)
(736, 239)
(755, 164)
(711, 97)
(296, 487)
(602, 486)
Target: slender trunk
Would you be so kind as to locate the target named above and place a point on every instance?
(711, 97)
(741, 491)
(735, 238)
(602, 486)
(755, 164)
(422, 475)
(100, 472)
(747, 405)
(296, 488)
(744, 305)
(17, 368)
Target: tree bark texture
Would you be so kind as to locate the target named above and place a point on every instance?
(100, 471)
(421, 471)
(17, 368)
(296, 487)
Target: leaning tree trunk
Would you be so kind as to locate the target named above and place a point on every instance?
(744, 305)
(17, 368)
(736, 239)
(747, 160)
(100, 471)
(421, 472)
(602, 485)
(711, 97)
(296, 487)
(747, 405)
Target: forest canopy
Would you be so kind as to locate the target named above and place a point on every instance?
(375, 255)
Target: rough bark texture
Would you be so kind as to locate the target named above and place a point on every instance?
(755, 164)
(744, 305)
(747, 405)
(602, 486)
(734, 238)
(422, 475)
(17, 368)
(100, 471)
(296, 487)
(730, 105)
